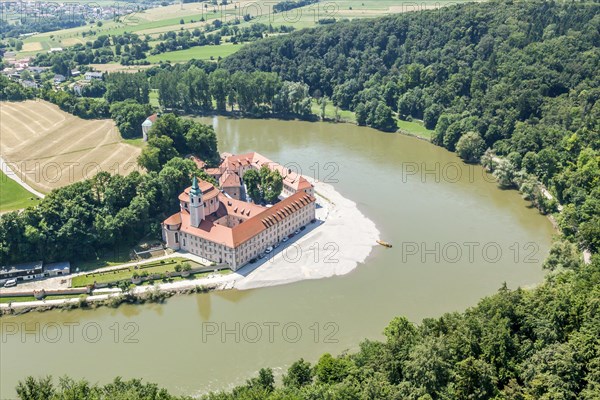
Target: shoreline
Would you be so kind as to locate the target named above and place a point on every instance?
(340, 240)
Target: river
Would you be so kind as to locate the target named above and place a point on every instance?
(456, 238)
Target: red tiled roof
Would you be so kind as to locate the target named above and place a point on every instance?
(230, 179)
(260, 218)
(213, 171)
(257, 224)
(207, 188)
(199, 163)
(174, 219)
(290, 177)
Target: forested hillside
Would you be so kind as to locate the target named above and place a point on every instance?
(522, 77)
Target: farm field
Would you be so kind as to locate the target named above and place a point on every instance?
(162, 19)
(49, 148)
(198, 53)
(13, 196)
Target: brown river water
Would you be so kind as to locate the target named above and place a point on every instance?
(456, 238)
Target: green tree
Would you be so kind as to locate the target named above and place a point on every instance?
(220, 86)
(563, 255)
(470, 147)
(475, 379)
(383, 119)
(271, 183)
(299, 374)
(35, 389)
(202, 141)
(157, 153)
(331, 370)
(129, 116)
(265, 380)
(505, 173)
(252, 182)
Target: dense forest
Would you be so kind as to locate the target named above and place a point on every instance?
(516, 345)
(521, 78)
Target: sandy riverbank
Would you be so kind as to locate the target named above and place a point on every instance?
(340, 239)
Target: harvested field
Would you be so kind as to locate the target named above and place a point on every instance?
(49, 148)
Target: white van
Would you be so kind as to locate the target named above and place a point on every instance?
(10, 283)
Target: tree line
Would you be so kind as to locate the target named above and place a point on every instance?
(192, 89)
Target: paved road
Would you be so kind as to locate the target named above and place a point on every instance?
(63, 282)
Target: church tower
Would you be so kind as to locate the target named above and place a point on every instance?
(196, 204)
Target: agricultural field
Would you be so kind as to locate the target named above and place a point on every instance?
(49, 148)
(198, 53)
(155, 21)
(13, 196)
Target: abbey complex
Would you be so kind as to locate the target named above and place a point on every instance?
(219, 225)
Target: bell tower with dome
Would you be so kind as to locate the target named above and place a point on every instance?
(196, 204)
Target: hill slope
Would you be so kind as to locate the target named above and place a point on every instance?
(521, 75)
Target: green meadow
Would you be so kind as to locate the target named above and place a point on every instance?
(13, 196)
(198, 53)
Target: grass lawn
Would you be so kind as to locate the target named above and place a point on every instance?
(127, 273)
(17, 299)
(13, 196)
(153, 97)
(119, 255)
(138, 142)
(345, 115)
(415, 128)
(198, 53)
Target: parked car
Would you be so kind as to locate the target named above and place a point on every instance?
(297, 232)
(302, 228)
(10, 283)
(261, 255)
(269, 249)
(285, 239)
(276, 245)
